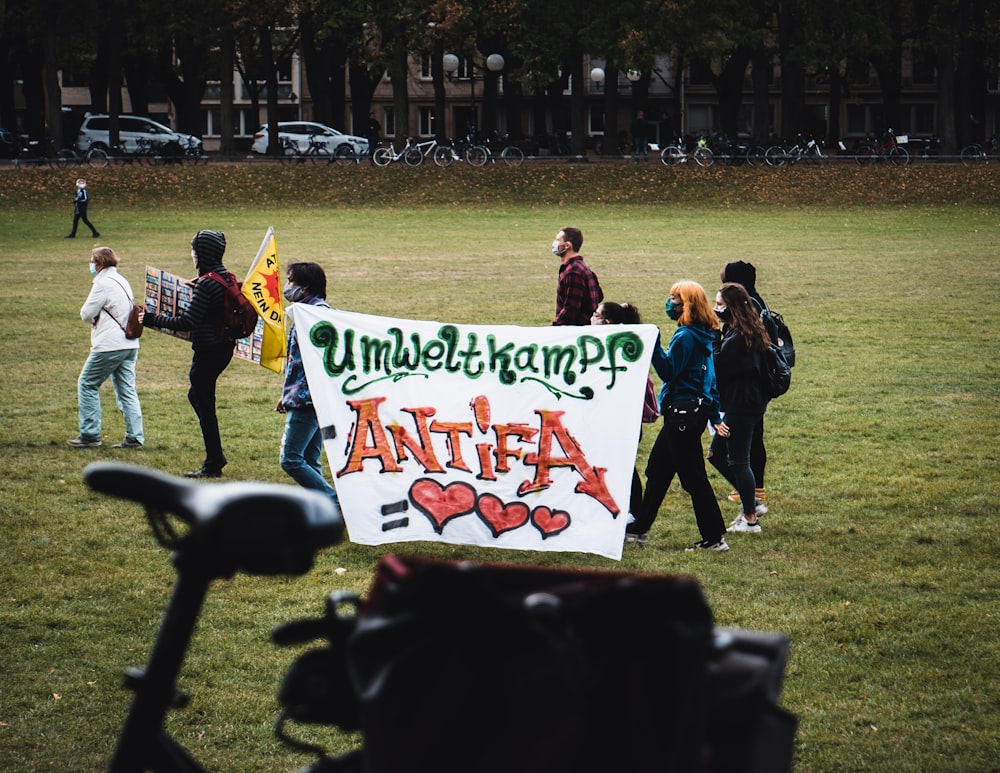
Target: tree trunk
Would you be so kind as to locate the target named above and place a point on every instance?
(227, 52)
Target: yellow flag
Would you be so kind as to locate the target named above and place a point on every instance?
(262, 288)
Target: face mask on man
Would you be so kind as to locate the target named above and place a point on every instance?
(555, 248)
(673, 309)
(293, 293)
(93, 268)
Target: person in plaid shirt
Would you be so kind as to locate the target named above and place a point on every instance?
(578, 292)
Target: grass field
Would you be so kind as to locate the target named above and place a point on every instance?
(878, 558)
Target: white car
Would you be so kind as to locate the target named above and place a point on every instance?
(133, 132)
(294, 137)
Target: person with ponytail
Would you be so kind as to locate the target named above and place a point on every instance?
(739, 362)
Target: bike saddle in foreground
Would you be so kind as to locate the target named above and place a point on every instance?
(256, 528)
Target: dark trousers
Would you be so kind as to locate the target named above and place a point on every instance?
(758, 453)
(679, 452)
(731, 456)
(207, 365)
(77, 217)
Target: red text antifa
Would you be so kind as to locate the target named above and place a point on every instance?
(551, 447)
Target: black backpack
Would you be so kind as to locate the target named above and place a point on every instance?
(777, 373)
(778, 332)
(239, 317)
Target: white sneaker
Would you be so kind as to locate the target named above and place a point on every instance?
(742, 524)
(715, 547)
(759, 508)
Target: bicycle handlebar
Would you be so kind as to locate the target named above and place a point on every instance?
(256, 528)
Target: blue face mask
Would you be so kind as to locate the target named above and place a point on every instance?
(93, 269)
(673, 309)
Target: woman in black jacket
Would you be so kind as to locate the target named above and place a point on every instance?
(739, 364)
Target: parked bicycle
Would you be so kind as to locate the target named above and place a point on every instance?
(409, 154)
(510, 154)
(94, 157)
(804, 149)
(700, 154)
(33, 153)
(979, 152)
(872, 150)
(728, 151)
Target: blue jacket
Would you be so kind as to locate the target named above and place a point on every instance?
(295, 393)
(688, 370)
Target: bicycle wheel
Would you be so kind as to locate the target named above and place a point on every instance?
(865, 155)
(65, 157)
(973, 155)
(443, 156)
(898, 156)
(413, 157)
(704, 156)
(382, 157)
(320, 156)
(345, 154)
(476, 155)
(96, 158)
(512, 156)
(671, 155)
(755, 156)
(775, 156)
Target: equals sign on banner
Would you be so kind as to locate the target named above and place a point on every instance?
(391, 509)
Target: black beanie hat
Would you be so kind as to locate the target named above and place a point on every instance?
(209, 246)
(742, 273)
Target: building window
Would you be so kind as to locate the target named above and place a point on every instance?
(426, 121)
(923, 67)
(700, 73)
(923, 120)
(389, 122)
(595, 120)
(856, 119)
(425, 67)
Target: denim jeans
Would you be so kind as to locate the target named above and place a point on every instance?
(680, 453)
(731, 456)
(301, 445)
(120, 365)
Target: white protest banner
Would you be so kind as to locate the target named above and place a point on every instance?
(499, 436)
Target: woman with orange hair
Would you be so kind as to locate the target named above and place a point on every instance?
(689, 400)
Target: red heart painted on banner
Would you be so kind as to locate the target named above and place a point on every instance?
(442, 503)
(549, 522)
(500, 517)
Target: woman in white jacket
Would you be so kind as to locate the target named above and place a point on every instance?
(107, 310)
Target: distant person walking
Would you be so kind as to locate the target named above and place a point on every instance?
(374, 134)
(107, 310)
(578, 292)
(81, 200)
(640, 136)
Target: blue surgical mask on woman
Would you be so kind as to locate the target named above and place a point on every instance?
(293, 293)
(673, 309)
(93, 268)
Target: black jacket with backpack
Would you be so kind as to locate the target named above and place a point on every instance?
(203, 317)
(738, 376)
